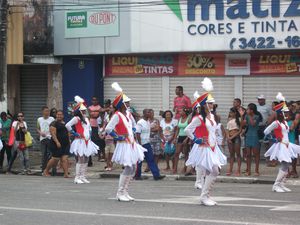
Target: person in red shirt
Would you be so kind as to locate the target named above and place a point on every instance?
(181, 101)
(95, 110)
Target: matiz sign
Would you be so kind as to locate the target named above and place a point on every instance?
(240, 10)
(257, 22)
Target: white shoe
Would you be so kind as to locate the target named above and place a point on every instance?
(84, 180)
(83, 173)
(285, 188)
(78, 174)
(215, 203)
(78, 181)
(129, 197)
(278, 189)
(198, 186)
(127, 180)
(207, 202)
(122, 198)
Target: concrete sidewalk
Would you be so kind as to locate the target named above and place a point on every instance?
(267, 174)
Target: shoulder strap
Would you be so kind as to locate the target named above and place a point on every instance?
(200, 118)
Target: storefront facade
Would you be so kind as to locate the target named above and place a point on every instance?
(247, 49)
(34, 75)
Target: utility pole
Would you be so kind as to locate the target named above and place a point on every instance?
(3, 39)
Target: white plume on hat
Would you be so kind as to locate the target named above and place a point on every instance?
(196, 95)
(116, 87)
(207, 84)
(280, 97)
(78, 99)
(80, 102)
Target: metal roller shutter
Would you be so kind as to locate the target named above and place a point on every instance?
(145, 92)
(270, 86)
(34, 91)
(223, 91)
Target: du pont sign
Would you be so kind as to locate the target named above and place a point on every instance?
(92, 23)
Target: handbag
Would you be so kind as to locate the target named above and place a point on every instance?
(28, 139)
(11, 139)
(169, 148)
(21, 146)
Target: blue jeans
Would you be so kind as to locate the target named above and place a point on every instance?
(151, 163)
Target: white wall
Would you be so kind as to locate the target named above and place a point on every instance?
(145, 29)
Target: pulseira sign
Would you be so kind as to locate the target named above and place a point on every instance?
(258, 17)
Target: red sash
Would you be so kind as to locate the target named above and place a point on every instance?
(80, 130)
(202, 132)
(120, 128)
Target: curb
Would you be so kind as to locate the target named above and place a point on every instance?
(145, 176)
(221, 179)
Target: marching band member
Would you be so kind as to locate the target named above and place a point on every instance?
(127, 153)
(82, 146)
(205, 154)
(282, 150)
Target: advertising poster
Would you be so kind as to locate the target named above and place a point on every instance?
(201, 64)
(141, 65)
(275, 64)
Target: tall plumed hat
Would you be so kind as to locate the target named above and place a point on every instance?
(281, 107)
(207, 85)
(80, 104)
(197, 98)
(118, 101)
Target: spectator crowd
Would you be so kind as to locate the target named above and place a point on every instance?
(241, 137)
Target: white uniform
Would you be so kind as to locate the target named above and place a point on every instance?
(128, 152)
(284, 150)
(82, 146)
(205, 156)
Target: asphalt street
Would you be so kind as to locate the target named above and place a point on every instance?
(33, 200)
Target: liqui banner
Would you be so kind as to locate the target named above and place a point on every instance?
(275, 64)
(141, 65)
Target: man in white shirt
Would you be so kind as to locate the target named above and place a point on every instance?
(143, 137)
(264, 109)
(43, 128)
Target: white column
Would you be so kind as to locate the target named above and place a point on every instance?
(165, 93)
(238, 87)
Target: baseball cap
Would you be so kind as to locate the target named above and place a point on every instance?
(261, 97)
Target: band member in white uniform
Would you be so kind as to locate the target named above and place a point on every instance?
(205, 154)
(127, 153)
(82, 146)
(282, 150)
